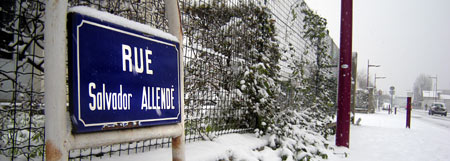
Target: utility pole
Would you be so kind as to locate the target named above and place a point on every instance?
(354, 76)
(345, 75)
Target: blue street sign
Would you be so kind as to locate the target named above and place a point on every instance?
(119, 77)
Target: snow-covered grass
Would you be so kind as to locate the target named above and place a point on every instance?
(385, 137)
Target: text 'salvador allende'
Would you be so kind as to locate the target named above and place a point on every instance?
(153, 98)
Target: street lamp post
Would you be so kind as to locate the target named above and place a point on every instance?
(375, 81)
(371, 109)
(375, 85)
(368, 66)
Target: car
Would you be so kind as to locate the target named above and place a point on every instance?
(208, 108)
(386, 106)
(438, 108)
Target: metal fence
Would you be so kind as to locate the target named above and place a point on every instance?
(21, 80)
(216, 39)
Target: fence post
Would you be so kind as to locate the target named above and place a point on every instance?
(172, 11)
(56, 132)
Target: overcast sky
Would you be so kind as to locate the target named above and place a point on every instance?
(405, 37)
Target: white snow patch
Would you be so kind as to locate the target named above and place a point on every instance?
(158, 112)
(105, 16)
(385, 137)
(270, 155)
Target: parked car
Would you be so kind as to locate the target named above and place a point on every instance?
(386, 106)
(438, 108)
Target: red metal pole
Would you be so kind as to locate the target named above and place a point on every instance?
(408, 112)
(345, 75)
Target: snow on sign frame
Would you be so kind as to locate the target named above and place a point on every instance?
(119, 75)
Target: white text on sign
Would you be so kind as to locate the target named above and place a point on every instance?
(138, 59)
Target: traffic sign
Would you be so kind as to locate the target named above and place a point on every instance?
(392, 90)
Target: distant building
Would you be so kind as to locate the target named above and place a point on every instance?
(445, 98)
(400, 101)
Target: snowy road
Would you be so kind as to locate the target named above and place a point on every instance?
(384, 137)
(439, 120)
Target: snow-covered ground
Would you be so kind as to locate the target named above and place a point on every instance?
(378, 137)
(236, 146)
(384, 137)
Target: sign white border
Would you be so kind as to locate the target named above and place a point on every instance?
(135, 35)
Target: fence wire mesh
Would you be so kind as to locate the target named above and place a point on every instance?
(218, 34)
(21, 80)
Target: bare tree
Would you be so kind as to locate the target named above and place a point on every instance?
(422, 83)
(361, 80)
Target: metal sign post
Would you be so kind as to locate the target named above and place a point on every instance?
(56, 116)
(174, 17)
(112, 84)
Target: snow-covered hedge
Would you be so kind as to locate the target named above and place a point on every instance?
(242, 54)
(232, 78)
